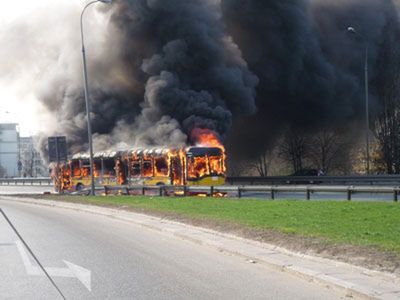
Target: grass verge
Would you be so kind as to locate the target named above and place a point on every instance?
(367, 224)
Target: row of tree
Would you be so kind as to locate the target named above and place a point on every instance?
(329, 152)
(323, 152)
(342, 151)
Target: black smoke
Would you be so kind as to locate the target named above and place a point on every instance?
(194, 72)
(246, 69)
(186, 73)
(310, 68)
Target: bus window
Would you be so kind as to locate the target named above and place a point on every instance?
(96, 167)
(120, 171)
(176, 171)
(85, 169)
(76, 170)
(215, 165)
(161, 166)
(135, 168)
(109, 167)
(197, 167)
(147, 168)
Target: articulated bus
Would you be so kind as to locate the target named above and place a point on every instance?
(146, 166)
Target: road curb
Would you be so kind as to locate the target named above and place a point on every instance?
(354, 281)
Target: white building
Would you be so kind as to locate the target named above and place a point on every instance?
(9, 150)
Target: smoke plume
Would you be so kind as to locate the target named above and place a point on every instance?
(175, 69)
(310, 68)
(159, 70)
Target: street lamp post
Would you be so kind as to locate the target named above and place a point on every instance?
(87, 99)
(353, 31)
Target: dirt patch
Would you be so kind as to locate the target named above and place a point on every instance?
(368, 257)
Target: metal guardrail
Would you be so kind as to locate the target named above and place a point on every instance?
(389, 180)
(239, 191)
(26, 181)
(379, 180)
(387, 185)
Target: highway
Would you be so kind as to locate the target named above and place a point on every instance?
(96, 257)
(24, 189)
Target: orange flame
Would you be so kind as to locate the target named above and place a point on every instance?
(206, 138)
(201, 166)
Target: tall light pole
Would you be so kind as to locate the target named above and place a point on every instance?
(87, 99)
(353, 31)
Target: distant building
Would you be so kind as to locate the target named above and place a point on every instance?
(32, 164)
(9, 150)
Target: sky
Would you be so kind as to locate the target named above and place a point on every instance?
(18, 102)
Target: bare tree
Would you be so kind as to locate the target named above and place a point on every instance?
(28, 162)
(329, 150)
(294, 149)
(237, 168)
(387, 125)
(3, 172)
(262, 163)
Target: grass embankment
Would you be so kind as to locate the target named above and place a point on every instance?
(368, 224)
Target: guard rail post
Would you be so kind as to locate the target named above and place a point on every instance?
(272, 194)
(239, 192)
(395, 194)
(349, 194)
(308, 194)
(143, 191)
(160, 190)
(185, 191)
(212, 191)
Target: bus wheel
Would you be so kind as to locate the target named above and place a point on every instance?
(79, 187)
(160, 183)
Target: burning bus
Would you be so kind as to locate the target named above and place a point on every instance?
(147, 166)
(107, 170)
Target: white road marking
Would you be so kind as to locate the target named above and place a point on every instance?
(72, 270)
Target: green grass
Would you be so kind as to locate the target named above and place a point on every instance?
(357, 223)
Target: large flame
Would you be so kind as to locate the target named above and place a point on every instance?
(209, 164)
(206, 138)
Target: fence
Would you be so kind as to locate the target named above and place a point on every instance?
(26, 181)
(239, 191)
(372, 185)
(388, 180)
(378, 180)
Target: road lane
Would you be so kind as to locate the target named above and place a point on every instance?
(24, 189)
(128, 262)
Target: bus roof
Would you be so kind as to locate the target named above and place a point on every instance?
(154, 151)
(103, 154)
(203, 151)
(151, 151)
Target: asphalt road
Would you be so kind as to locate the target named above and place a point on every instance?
(24, 189)
(129, 262)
